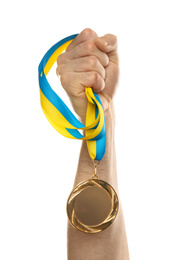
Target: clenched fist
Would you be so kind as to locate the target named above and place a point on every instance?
(89, 61)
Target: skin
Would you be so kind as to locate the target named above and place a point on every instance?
(92, 61)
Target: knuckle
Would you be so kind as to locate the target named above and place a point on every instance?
(89, 45)
(95, 77)
(64, 78)
(60, 68)
(88, 33)
(93, 61)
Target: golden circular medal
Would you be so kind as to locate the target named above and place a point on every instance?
(92, 206)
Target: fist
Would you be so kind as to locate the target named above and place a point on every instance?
(89, 61)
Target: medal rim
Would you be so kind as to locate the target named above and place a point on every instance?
(92, 229)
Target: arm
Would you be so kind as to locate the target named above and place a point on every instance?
(92, 61)
(110, 244)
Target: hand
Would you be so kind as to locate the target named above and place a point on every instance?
(89, 61)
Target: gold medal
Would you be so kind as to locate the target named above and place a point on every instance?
(92, 205)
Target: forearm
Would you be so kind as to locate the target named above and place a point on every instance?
(110, 243)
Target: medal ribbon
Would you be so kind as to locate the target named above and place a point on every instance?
(59, 115)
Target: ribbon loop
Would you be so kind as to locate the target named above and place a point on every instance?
(59, 115)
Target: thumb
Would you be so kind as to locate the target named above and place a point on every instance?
(108, 44)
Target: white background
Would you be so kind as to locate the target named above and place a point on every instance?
(37, 165)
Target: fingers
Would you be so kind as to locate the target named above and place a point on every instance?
(91, 79)
(74, 82)
(85, 64)
(84, 49)
(82, 65)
